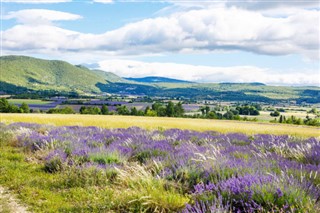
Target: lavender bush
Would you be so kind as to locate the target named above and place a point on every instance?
(218, 172)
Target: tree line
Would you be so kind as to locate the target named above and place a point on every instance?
(231, 113)
(6, 107)
(156, 110)
(169, 109)
(297, 121)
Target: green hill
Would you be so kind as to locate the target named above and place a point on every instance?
(110, 77)
(37, 74)
(21, 74)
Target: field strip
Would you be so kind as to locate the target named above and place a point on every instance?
(115, 121)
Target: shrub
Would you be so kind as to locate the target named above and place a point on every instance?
(275, 114)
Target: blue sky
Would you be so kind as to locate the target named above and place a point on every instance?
(274, 42)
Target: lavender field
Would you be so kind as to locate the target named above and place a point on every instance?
(91, 169)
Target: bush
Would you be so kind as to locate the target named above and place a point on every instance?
(275, 113)
(65, 110)
(53, 165)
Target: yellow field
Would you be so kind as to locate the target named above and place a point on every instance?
(115, 121)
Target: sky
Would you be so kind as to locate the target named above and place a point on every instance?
(267, 41)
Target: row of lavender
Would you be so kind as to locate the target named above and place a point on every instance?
(220, 172)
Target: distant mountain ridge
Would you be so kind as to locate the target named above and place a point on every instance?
(251, 83)
(38, 74)
(22, 74)
(157, 79)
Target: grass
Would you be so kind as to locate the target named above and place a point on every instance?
(113, 121)
(21, 177)
(28, 101)
(265, 115)
(51, 192)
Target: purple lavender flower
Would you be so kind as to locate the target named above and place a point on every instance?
(279, 193)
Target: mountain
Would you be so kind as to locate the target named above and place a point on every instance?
(21, 75)
(110, 77)
(250, 84)
(156, 79)
(38, 74)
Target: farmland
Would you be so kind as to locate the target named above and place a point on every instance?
(110, 106)
(191, 108)
(163, 123)
(92, 169)
(29, 101)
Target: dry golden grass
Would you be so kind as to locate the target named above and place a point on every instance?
(115, 121)
(265, 115)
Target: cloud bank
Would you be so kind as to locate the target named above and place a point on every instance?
(40, 16)
(200, 30)
(208, 74)
(274, 28)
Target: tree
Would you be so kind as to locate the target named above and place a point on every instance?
(212, 115)
(140, 113)
(90, 110)
(4, 105)
(146, 109)
(95, 111)
(234, 111)
(207, 110)
(123, 110)
(82, 110)
(228, 115)
(281, 119)
(203, 110)
(275, 113)
(13, 108)
(159, 108)
(179, 110)
(248, 110)
(151, 113)
(156, 106)
(161, 111)
(170, 109)
(134, 111)
(65, 110)
(24, 108)
(104, 110)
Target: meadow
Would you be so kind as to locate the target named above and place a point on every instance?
(92, 169)
(116, 121)
(265, 115)
(29, 101)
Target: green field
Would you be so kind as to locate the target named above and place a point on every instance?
(114, 121)
(265, 115)
(29, 101)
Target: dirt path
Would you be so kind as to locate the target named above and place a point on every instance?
(9, 204)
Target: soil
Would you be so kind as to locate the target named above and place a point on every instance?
(9, 204)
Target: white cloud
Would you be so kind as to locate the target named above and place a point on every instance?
(40, 16)
(269, 5)
(237, 74)
(35, 1)
(205, 30)
(246, 4)
(41, 37)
